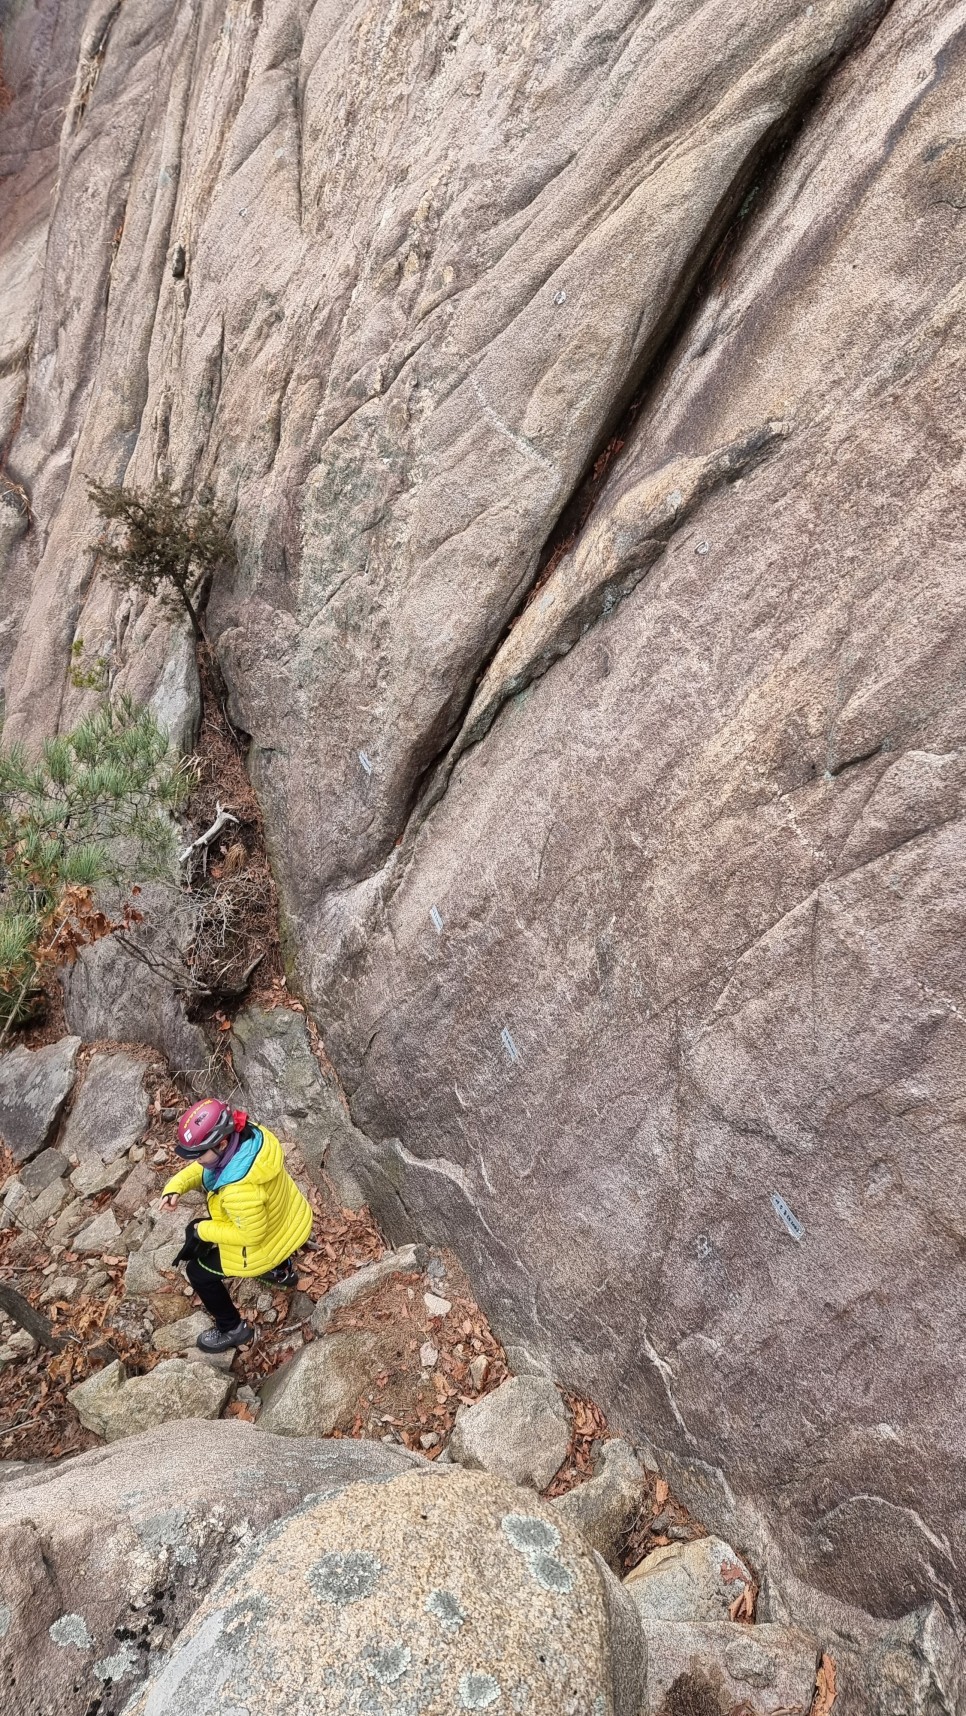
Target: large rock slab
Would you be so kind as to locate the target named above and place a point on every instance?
(111, 1110)
(449, 1593)
(34, 1086)
(104, 1557)
(114, 1405)
(520, 1432)
(682, 931)
(285, 1087)
(706, 871)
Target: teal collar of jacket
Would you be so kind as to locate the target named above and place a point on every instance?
(214, 1178)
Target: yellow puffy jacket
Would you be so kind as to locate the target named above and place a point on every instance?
(257, 1221)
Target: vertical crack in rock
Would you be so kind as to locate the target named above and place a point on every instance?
(583, 584)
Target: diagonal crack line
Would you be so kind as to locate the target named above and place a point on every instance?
(737, 214)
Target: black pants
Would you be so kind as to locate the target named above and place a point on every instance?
(205, 1274)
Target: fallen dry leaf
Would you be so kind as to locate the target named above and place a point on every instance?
(825, 1688)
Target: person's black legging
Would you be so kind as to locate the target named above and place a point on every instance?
(204, 1273)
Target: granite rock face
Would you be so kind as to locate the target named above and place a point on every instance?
(111, 1109)
(34, 1086)
(104, 1557)
(429, 1593)
(632, 914)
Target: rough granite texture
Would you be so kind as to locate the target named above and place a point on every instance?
(115, 1406)
(34, 1086)
(689, 1581)
(635, 929)
(419, 1598)
(104, 1557)
(110, 1111)
(520, 1432)
(765, 1670)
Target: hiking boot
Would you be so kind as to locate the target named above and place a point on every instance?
(222, 1340)
(284, 1276)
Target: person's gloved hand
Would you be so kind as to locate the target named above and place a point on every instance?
(192, 1244)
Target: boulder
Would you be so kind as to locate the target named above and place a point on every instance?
(520, 1432)
(50, 1201)
(16, 1208)
(101, 1237)
(312, 1392)
(92, 1176)
(180, 1336)
(689, 1581)
(408, 1260)
(454, 1592)
(110, 995)
(115, 1406)
(34, 1086)
(36, 1175)
(723, 1667)
(111, 1108)
(136, 1192)
(144, 1277)
(104, 1557)
(70, 1220)
(604, 1506)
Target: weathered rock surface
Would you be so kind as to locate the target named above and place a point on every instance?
(104, 1557)
(604, 1506)
(519, 1432)
(682, 930)
(182, 1334)
(37, 1175)
(765, 1670)
(285, 1087)
(308, 1395)
(111, 1109)
(688, 1581)
(114, 1405)
(34, 1086)
(430, 1593)
(100, 1237)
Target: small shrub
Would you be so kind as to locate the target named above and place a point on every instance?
(168, 549)
(94, 810)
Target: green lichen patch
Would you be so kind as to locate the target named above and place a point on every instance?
(344, 1576)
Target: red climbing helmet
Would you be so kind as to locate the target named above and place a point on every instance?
(204, 1127)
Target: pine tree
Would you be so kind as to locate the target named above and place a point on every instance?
(168, 549)
(94, 810)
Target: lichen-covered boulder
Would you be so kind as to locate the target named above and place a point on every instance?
(103, 1558)
(429, 1596)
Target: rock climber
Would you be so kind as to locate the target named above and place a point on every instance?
(257, 1217)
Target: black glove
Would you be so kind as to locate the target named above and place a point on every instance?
(192, 1244)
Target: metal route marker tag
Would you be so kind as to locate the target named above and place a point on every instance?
(366, 762)
(513, 1053)
(435, 918)
(789, 1222)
